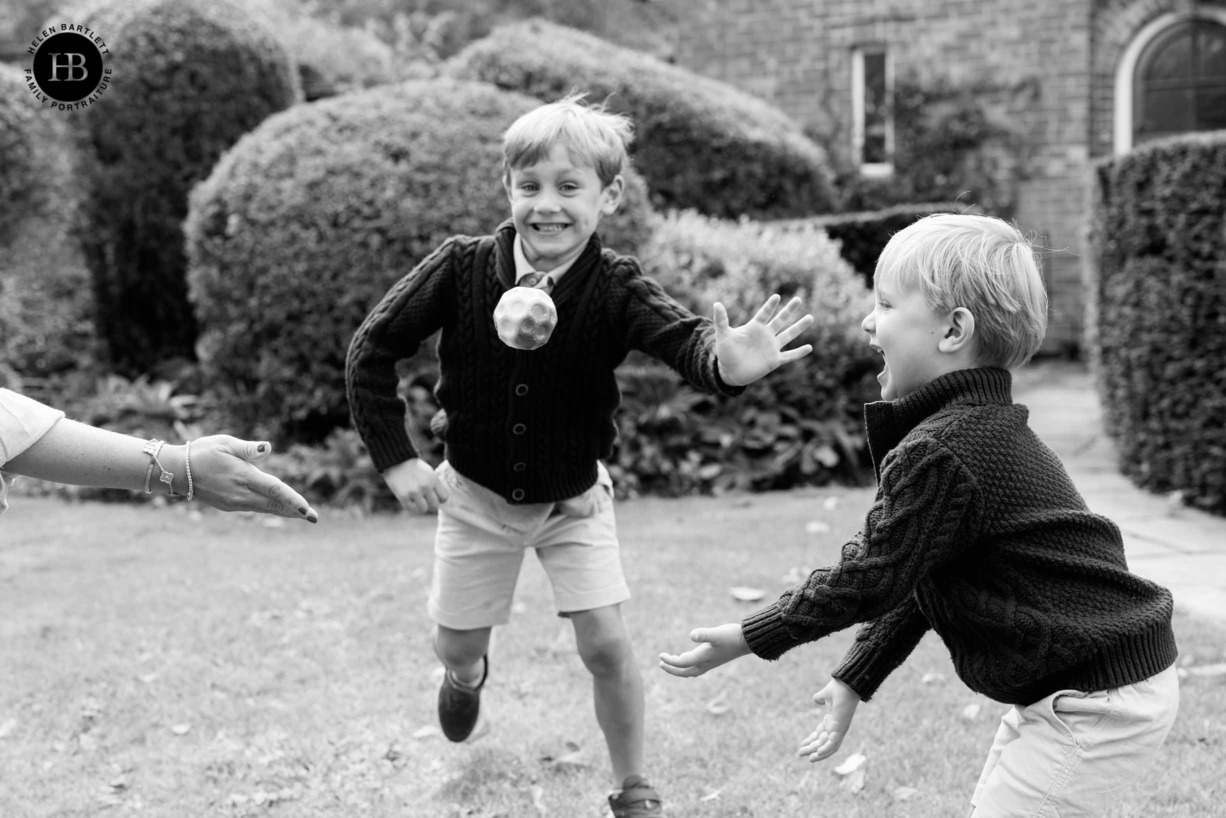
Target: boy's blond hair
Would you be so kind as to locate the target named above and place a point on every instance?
(593, 136)
(983, 264)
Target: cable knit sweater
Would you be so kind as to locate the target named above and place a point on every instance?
(978, 533)
(529, 425)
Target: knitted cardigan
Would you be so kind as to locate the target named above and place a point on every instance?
(978, 533)
(529, 425)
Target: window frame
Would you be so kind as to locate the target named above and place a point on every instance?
(860, 112)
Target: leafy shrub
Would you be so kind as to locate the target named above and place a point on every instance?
(18, 150)
(862, 236)
(800, 425)
(305, 224)
(1157, 320)
(701, 144)
(46, 321)
(195, 76)
(338, 472)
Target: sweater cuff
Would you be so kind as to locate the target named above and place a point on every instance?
(723, 386)
(766, 633)
(386, 452)
(857, 670)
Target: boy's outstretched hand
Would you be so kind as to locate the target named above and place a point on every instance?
(716, 646)
(748, 352)
(841, 702)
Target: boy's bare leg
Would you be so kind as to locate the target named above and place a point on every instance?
(617, 684)
(461, 652)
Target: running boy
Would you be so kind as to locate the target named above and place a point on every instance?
(526, 430)
(978, 533)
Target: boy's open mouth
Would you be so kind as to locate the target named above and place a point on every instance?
(548, 228)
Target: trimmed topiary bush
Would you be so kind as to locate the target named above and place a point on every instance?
(307, 221)
(800, 425)
(702, 144)
(194, 77)
(1157, 322)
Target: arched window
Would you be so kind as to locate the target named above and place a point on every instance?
(1172, 80)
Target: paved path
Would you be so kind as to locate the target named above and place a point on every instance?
(1180, 547)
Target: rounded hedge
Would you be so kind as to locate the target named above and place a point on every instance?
(190, 78)
(307, 222)
(701, 144)
(1157, 313)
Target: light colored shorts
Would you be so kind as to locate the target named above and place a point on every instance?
(1072, 754)
(480, 543)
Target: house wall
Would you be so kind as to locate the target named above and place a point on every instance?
(797, 54)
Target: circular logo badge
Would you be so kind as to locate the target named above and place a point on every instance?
(67, 67)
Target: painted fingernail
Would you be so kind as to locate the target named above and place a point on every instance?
(313, 519)
(301, 510)
(263, 447)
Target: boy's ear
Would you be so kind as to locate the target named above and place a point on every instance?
(612, 195)
(959, 330)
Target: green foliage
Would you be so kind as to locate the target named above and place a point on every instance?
(338, 472)
(194, 77)
(701, 144)
(862, 236)
(952, 143)
(307, 222)
(800, 425)
(19, 160)
(1158, 313)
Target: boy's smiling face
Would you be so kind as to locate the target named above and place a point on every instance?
(908, 334)
(556, 205)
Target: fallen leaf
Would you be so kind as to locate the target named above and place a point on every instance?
(573, 757)
(429, 731)
(7, 727)
(933, 678)
(903, 793)
(719, 705)
(853, 782)
(743, 593)
(817, 527)
(273, 522)
(830, 503)
(181, 729)
(850, 764)
(538, 800)
(710, 796)
(971, 712)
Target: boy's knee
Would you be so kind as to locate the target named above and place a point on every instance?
(460, 648)
(607, 654)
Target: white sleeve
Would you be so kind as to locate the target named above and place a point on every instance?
(22, 421)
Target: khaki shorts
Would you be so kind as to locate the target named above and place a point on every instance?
(1073, 754)
(480, 543)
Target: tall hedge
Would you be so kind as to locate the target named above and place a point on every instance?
(191, 76)
(702, 144)
(1157, 321)
(307, 221)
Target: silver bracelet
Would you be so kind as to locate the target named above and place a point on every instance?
(187, 465)
(152, 448)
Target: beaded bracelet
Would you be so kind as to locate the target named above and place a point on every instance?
(152, 448)
(187, 466)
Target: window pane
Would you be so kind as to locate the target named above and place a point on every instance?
(876, 112)
(1168, 110)
(1213, 53)
(1173, 60)
(1211, 108)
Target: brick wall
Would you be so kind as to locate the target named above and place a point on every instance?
(796, 53)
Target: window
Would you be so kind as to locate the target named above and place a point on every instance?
(1180, 82)
(1171, 78)
(873, 121)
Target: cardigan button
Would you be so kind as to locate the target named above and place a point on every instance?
(521, 390)
(520, 466)
(517, 495)
(519, 429)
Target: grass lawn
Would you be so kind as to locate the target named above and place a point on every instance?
(167, 662)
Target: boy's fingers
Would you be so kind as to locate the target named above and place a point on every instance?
(763, 315)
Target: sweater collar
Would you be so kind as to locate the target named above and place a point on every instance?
(888, 422)
(505, 237)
